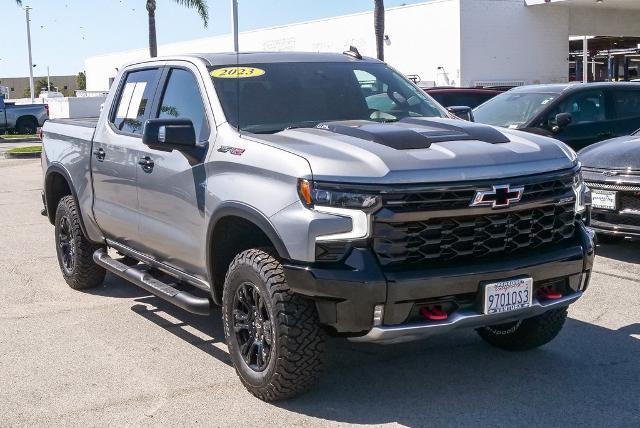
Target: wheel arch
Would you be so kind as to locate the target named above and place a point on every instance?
(256, 231)
(58, 184)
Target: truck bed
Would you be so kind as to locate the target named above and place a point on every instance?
(87, 122)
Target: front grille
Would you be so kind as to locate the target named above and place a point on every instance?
(468, 237)
(441, 199)
(617, 187)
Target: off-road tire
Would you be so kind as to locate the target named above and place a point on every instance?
(27, 125)
(526, 334)
(83, 271)
(298, 341)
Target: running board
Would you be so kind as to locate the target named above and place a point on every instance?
(182, 299)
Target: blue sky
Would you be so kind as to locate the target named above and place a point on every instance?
(65, 32)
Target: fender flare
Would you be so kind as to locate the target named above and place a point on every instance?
(51, 211)
(246, 212)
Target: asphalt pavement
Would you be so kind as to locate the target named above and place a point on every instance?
(116, 356)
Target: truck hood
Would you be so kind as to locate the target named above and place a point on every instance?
(424, 150)
(618, 153)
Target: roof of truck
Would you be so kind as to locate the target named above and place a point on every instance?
(227, 58)
(269, 57)
(575, 86)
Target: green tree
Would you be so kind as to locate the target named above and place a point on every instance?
(199, 5)
(81, 80)
(378, 26)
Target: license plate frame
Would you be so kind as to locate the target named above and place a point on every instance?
(604, 199)
(499, 296)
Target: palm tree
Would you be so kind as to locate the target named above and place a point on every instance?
(378, 25)
(19, 2)
(199, 5)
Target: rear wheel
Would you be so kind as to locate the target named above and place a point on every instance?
(525, 334)
(74, 250)
(27, 125)
(274, 337)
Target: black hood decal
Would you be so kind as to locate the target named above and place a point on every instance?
(415, 133)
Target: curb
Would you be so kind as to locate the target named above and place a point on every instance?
(19, 140)
(8, 155)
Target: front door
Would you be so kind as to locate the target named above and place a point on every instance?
(590, 119)
(116, 148)
(171, 191)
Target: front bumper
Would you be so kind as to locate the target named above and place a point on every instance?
(616, 223)
(346, 295)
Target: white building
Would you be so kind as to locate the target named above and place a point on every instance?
(447, 42)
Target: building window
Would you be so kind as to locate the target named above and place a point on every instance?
(65, 87)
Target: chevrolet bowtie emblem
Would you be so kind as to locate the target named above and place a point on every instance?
(500, 196)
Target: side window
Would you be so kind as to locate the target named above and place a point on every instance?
(585, 107)
(182, 100)
(626, 103)
(134, 101)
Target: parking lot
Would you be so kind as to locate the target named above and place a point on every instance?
(117, 356)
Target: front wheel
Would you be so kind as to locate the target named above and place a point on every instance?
(526, 334)
(275, 340)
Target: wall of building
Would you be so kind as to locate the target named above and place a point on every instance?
(422, 37)
(505, 41)
(17, 85)
(604, 22)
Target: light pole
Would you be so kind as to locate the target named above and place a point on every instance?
(234, 24)
(27, 9)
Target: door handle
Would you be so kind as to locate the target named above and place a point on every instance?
(100, 154)
(146, 163)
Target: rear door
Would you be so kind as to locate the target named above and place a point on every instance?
(626, 110)
(116, 149)
(172, 192)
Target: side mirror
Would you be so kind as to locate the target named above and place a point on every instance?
(463, 112)
(562, 120)
(169, 134)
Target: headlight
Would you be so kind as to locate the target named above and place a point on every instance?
(582, 192)
(314, 194)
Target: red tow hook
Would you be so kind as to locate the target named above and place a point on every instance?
(549, 294)
(433, 314)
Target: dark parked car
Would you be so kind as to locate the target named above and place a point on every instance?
(612, 171)
(578, 114)
(470, 97)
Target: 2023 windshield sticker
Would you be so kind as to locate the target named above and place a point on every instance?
(237, 72)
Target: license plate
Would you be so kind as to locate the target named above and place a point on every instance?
(508, 295)
(604, 199)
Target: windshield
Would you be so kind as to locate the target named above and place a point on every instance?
(268, 98)
(512, 109)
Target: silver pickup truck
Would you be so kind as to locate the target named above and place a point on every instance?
(313, 195)
(22, 118)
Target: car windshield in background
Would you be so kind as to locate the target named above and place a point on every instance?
(512, 109)
(268, 98)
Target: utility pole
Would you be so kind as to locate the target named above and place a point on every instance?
(234, 24)
(27, 9)
(48, 80)
(585, 59)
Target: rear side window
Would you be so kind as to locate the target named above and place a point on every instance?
(134, 101)
(182, 100)
(627, 104)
